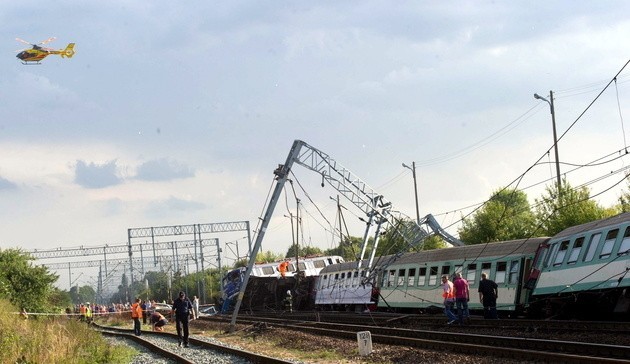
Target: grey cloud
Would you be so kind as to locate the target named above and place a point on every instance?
(94, 175)
(172, 206)
(5, 184)
(163, 170)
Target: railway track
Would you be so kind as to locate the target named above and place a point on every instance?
(489, 345)
(199, 351)
(424, 321)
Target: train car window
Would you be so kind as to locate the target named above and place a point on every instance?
(336, 276)
(267, 270)
(592, 247)
(384, 280)
(499, 276)
(552, 254)
(458, 269)
(562, 252)
(471, 272)
(514, 270)
(485, 268)
(390, 278)
(541, 256)
(575, 251)
(446, 269)
(362, 273)
(422, 277)
(411, 277)
(291, 267)
(401, 277)
(433, 273)
(302, 266)
(609, 243)
(625, 243)
(319, 263)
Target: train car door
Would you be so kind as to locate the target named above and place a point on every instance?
(522, 293)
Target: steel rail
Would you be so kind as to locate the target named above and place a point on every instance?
(147, 344)
(519, 348)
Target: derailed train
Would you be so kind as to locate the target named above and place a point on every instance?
(581, 272)
(267, 289)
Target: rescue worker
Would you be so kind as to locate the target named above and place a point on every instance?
(136, 314)
(82, 312)
(88, 313)
(282, 268)
(449, 299)
(288, 302)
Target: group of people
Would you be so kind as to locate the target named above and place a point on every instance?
(182, 310)
(457, 295)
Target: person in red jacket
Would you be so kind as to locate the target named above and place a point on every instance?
(462, 296)
(136, 314)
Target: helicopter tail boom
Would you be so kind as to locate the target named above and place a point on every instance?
(68, 52)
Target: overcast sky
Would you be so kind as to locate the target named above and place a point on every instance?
(175, 113)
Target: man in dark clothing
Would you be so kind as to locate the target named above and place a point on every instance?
(144, 312)
(488, 293)
(182, 308)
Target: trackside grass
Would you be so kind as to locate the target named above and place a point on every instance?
(54, 339)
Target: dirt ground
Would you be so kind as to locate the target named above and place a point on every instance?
(302, 347)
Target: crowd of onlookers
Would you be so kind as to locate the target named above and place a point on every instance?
(85, 311)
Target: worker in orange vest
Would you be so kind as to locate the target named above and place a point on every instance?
(282, 268)
(82, 312)
(449, 299)
(136, 314)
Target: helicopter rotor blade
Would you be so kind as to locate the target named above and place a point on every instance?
(23, 41)
(47, 40)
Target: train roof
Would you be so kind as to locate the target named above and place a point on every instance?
(594, 225)
(341, 267)
(503, 248)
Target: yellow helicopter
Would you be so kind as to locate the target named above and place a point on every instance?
(35, 54)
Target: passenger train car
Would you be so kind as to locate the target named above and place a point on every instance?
(585, 269)
(582, 271)
(413, 282)
(267, 289)
(343, 286)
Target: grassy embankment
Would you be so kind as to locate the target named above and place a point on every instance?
(53, 339)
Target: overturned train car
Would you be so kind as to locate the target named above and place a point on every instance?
(268, 290)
